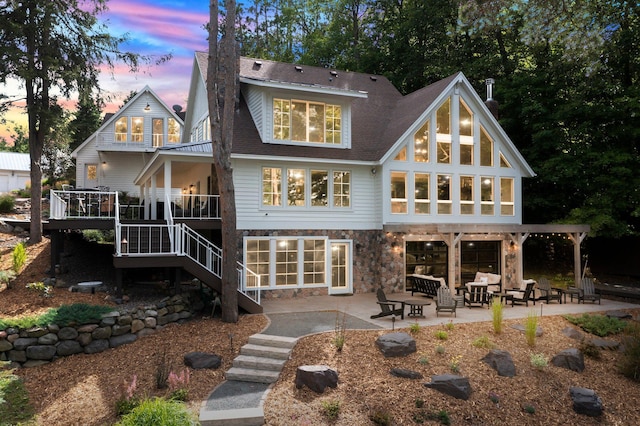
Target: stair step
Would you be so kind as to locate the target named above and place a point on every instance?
(274, 341)
(265, 351)
(259, 363)
(237, 417)
(252, 375)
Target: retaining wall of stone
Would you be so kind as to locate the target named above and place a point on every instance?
(40, 345)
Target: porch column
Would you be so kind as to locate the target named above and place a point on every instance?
(519, 239)
(167, 188)
(451, 240)
(147, 202)
(154, 198)
(576, 238)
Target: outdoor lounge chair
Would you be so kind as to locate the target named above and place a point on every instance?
(588, 291)
(388, 307)
(547, 292)
(476, 294)
(522, 297)
(444, 301)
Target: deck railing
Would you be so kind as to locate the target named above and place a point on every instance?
(83, 204)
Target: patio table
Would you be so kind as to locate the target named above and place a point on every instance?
(416, 307)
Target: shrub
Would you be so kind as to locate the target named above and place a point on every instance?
(454, 363)
(441, 335)
(630, 363)
(528, 408)
(98, 236)
(331, 409)
(77, 313)
(7, 203)
(531, 328)
(380, 418)
(163, 370)
(7, 277)
(414, 328)
(43, 290)
(440, 349)
(178, 385)
(419, 402)
(449, 326)
(538, 361)
(128, 400)
(158, 411)
(483, 342)
(19, 257)
(589, 349)
(496, 315)
(340, 327)
(423, 359)
(600, 325)
(14, 399)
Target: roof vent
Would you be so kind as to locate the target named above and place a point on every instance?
(373, 78)
(298, 68)
(334, 73)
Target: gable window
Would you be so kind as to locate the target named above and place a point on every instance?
(421, 144)
(422, 202)
(486, 196)
(466, 134)
(157, 125)
(503, 162)
(486, 148)
(319, 189)
(173, 130)
(444, 194)
(306, 121)
(122, 125)
(271, 186)
(399, 192)
(466, 194)
(341, 189)
(295, 187)
(137, 129)
(443, 132)
(506, 197)
(402, 155)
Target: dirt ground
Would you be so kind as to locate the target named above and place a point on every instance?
(83, 389)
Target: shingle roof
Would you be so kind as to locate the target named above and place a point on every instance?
(14, 161)
(377, 120)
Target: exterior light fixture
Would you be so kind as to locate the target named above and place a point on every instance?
(147, 108)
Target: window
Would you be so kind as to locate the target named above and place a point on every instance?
(173, 130)
(92, 172)
(157, 124)
(271, 186)
(341, 189)
(421, 144)
(295, 187)
(137, 129)
(314, 262)
(421, 189)
(466, 195)
(298, 186)
(503, 162)
(486, 148)
(466, 134)
(402, 155)
(443, 132)
(506, 197)
(305, 121)
(444, 194)
(319, 189)
(286, 262)
(399, 192)
(486, 196)
(257, 255)
(122, 129)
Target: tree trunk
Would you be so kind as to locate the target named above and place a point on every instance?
(221, 87)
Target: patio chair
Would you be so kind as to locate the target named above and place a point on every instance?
(476, 294)
(388, 307)
(444, 302)
(547, 292)
(588, 291)
(522, 297)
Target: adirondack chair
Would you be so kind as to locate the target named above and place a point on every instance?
(388, 307)
(521, 297)
(476, 294)
(588, 291)
(548, 293)
(444, 302)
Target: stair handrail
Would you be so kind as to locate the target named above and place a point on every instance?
(173, 236)
(204, 248)
(245, 275)
(58, 206)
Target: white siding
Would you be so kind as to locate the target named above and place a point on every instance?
(363, 213)
(87, 155)
(257, 107)
(119, 171)
(199, 110)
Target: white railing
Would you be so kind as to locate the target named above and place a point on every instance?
(192, 206)
(147, 239)
(248, 283)
(201, 251)
(83, 204)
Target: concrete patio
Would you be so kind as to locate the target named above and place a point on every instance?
(362, 306)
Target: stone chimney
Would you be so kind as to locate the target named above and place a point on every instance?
(490, 102)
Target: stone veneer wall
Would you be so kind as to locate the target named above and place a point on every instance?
(378, 260)
(40, 345)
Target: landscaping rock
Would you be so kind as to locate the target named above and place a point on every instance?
(23, 342)
(96, 346)
(405, 374)
(604, 343)
(500, 361)
(586, 401)
(69, 347)
(618, 314)
(17, 356)
(136, 325)
(572, 333)
(396, 344)
(37, 332)
(119, 330)
(48, 339)
(520, 327)
(41, 352)
(571, 359)
(452, 385)
(316, 377)
(68, 333)
(122, 339)
(200, 360)
(5, 345)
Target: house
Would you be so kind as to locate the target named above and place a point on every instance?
(342, 185)
(15, 171)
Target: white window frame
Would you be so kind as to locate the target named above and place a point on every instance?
(341, 130)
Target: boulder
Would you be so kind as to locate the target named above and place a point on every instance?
(200, 360)
(68, 333)
(316, 377)
(69, 347)
(520, 327)
(5, 345)
(41, 352)
(166, 319)
(17, 356)
(604, 343)
(452, 385)
(571, 359)
(22, 343)
(119, 330)
(500, 361)
(97, 346)
(396, 344)
(405, 374)
(48, 339)
(136, 325)
(572, 333)
(618, 314)
(122, 339)
(101, 333)
(586, 401)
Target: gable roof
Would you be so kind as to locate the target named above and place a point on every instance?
(15, 161)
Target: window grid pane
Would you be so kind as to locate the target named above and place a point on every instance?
(399, 192)
(421, 144)
(173, 130)
(486, 148)
(486, 196)
(121, 129)
(507, 207)
(258, 255)
(466, 195)
(271, 186)
(158, 132)
(286, 262)
(281, 119)
(341, 189)
(295, 187)
(444, 194)
(421, 190)
(314, 262)
(137, 129)
(319, 187)
(334, 124)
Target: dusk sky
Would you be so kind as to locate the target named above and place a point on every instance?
(155, 27)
